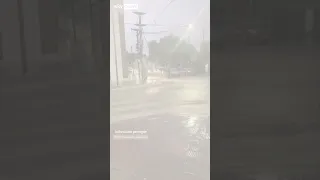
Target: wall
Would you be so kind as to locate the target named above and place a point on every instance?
(116, 69)
(123, 45)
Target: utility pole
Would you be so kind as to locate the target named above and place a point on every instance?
(138, 49)
(139, 32)
(139, 45)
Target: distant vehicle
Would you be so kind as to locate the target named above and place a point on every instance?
(180, 72)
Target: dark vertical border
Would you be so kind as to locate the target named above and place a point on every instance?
(74, 27)
(1, 48)
(91, 27)
(214, 12)
(49, 27)
(104, 78)
(316, 31)
(23, 52)
(107, 81)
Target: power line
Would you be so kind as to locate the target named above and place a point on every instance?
(163, 10)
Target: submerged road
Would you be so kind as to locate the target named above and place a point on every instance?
(180, 97)
(161, 132)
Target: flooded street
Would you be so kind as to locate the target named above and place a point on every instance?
(189, 97)
(161, 132)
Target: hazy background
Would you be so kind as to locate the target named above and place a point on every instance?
(171, 14)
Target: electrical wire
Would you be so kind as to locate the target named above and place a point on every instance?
(164, 9)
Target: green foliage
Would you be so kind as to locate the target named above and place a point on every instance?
(171, 51)
(204, 54)
(153, 51)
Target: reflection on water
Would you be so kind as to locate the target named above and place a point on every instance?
(197, 132)
(192, 121)
(196, 92)
(192, 125)
(197, 128)
(153, 90)
(174, 149)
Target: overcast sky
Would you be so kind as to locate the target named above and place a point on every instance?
(179, 12)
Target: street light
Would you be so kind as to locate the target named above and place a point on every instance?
(190, 28)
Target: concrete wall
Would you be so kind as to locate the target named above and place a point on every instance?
(125, 62)
(116, 70)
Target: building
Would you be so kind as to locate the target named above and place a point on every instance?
(113, 43)
(38, 37)
(116, 44)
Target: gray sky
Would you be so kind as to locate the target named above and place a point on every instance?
(179, 12)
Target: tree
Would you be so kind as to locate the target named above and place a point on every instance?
(203, 57)
(153, 51)
(205, 51)
(172, 51)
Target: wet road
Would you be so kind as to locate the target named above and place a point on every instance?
(161, 132)
(172, 123)
(184, 97)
